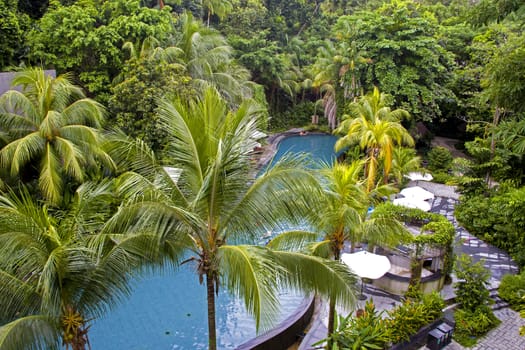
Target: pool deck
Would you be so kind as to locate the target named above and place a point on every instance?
(504, 337)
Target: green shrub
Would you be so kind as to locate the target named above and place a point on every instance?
(439, 158)
(368, 331)
(497, 219)
(471, 289)
(473, 317)
(512, 290)
(406, 319)
(441, 177)
(473, 324)
(372, 331)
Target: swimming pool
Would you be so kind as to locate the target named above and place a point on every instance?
(167, 310)
(318, 147)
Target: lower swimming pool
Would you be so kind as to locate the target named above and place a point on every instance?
(167, 310)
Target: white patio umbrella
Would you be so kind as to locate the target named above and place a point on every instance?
(416, 176)
(366, 265)
(417, 192)
(412, 203)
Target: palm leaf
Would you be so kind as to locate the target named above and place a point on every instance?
(30, 332)
(250, 273)
(50, 180)
(328, 278)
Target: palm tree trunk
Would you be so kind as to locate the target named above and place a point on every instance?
(331, 308)
(212, 331)
(495, 122)
(331, 319)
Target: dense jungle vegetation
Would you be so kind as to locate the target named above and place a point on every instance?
(456, 66)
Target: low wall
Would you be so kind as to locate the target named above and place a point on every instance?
(399, 284)
(286, 333)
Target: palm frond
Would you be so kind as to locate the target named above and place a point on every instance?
(71, 157)
(328, 278)
(50, 179)
(293, 240)
(19, 152)
(31, 332)
(250, 273)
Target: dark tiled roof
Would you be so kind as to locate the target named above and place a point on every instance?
(7, 77)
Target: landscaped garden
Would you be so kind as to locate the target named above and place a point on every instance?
(131, 134)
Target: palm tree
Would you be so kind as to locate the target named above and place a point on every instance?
(217, 7)
(213, 185)
(343, 218)
(335, 73)
(51, 128)
(59, 270)
(208, 59)
(404, 160)
(377, 129)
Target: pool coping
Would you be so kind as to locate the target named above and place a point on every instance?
(287, 332)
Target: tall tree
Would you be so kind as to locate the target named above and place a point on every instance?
(220, 8)
(341, 219)
(406, 58)
(209, 61)
(58, 271)
(52, 129)
(377, 129)
(212, 147)
(86, 38)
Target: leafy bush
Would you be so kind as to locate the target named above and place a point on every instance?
(471, 289)
(367, 331)
(297, 116)
(498, 220)
(439, 158)
(371, 331)
(406, 319)
(473, 317)
(512, 290)
(441, 177)
(472, 324)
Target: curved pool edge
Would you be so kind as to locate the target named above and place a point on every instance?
(287, 332)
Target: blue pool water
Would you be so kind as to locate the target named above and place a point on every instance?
(318, 147)
(167, 310)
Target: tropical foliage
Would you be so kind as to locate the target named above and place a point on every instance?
(61, 269)
(217, 204)
(51, 133)
(377, 130)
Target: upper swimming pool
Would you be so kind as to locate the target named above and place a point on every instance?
(318, 147)
(167, 310)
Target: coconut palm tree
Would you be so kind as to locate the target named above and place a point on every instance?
(212, 181)
(343, 218)
(404, 160)
(377, 129)
(208, 59)
(335, 73)
(59, 270)
(52, 130)
(217, 7)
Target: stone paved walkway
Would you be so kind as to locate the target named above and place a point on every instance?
(505, 337)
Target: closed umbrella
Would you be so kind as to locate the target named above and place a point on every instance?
(366, 265)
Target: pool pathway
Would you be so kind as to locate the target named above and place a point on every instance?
(505, 337)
